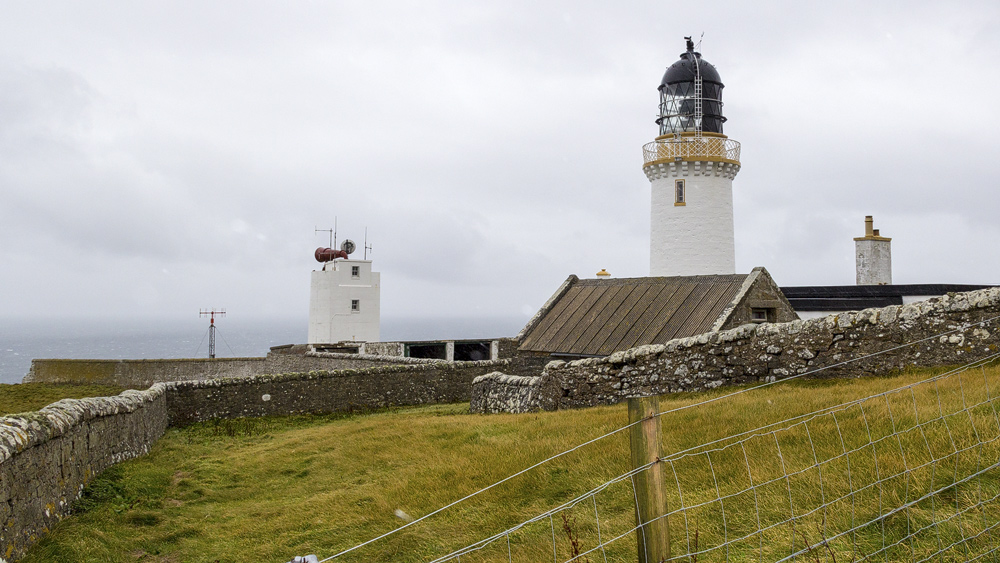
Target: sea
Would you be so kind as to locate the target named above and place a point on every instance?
(22, 340)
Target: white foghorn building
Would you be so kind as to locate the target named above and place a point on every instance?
(343, 300)
(691, 166)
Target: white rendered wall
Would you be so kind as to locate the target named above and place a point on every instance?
(332, 289)
(695, 238)
(907, 299)
(874, 261)
(806, 315)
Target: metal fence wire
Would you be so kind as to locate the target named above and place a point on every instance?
(904, 475)
(909, 474)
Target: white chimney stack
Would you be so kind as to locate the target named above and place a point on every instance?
(874, 256)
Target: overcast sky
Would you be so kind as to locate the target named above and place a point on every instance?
(160, 157)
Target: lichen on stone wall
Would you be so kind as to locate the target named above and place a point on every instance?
(372, 358)
(59, 448)
(499, 392)
(955, 328)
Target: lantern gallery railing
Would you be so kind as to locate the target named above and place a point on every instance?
(692, 148)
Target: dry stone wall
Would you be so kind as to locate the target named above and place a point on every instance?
(498, 392)
(140, 374)
(330, 361)
(956, 328)
(46, 457)
(327, 391)
(507, 348)
(396, 349)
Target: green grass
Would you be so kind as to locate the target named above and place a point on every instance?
(268, 489)
(25, 397)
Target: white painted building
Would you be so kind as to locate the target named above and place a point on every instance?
(344, 303)
(691, 166)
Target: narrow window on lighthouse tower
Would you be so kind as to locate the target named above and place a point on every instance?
(679, 196)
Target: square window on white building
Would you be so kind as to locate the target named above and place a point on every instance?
(355, 271)
(355, 305)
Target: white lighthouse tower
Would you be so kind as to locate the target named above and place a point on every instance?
(691, 166)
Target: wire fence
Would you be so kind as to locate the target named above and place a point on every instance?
(908, 474)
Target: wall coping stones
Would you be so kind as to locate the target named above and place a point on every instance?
(373, 357)
(323, 374)
(506, 379)
(874, 341)
(155, 360)
(21, 431)
(885, 316)
(498, 392)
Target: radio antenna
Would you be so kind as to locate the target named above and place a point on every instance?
(317, 230)
(367, 246)
(211, 327)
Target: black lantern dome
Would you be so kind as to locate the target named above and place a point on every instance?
(678, 99)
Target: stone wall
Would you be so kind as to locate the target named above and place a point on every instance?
(327, 391)
(507, 348)
(761, 293)
(330, 361)
(953, 329)
(46, 457)
(140, 374)
(767, 352)
(499, 392)
(384, 348)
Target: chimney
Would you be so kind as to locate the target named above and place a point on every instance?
(873, 256)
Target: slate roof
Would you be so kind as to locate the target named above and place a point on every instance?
(597, 317)
(857, 297)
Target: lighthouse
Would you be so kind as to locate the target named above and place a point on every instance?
(691, 166)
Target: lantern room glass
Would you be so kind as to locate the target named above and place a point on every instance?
(677, 107)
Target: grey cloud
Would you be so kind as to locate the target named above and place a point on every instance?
(491, 148)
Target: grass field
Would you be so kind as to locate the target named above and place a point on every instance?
(269, 489)
(26, 397)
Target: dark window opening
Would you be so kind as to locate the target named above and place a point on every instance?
(355, 271)
(355, 305)
(472, 351)
(679, 195)
(762, 315)
(437, 351)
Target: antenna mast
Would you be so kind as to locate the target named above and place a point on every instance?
(318, 230)
(367, 246)
(211, 327)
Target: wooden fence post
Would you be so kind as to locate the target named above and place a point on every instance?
(652, 534)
